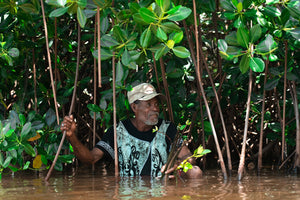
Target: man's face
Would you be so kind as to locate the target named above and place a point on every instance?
(147, 111)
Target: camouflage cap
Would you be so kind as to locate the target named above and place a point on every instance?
(143, 92)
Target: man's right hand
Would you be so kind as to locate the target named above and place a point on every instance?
(68, 125)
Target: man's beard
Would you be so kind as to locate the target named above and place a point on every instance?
(151, 122)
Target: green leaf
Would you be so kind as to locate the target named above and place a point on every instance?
(181, 52)
(230, 15)
(7, 161)
(169, 27)
(126, 59)
(180, 14)
(255, 33)
(271, 2)
(14, 169)
(22, 119)
(26, 129)
(94, 108)
(266, 45)
(104, 25)
(44, 159)
(247, 3)
(234, 51)
(271, 11)
(295, 13)
(163, 4)
(257, 64)
(243, 37)
(145, 38)
(9, 133)
(134, 7)
(227, 5)
(82, 3)
(161, 34)
(231, 39)
(58, 12)
(235, 2)
(245, 63)
(29, 149)
(187, 166)
(222, 45)
(1, 159)
(58, 166)
(292, 76)
(50, 117)
(66, 158)
(160, 52)
(29, 8)
(105, 54)
(147, 15)
(138, 19)
(57, 3)
(109, 41)
(262, 21)
(239, 7)
(295, 33)
(131, 45)
(118, 34)
(119, 71)
(278, 33)
(135, 55)
(174, 9)
(238, 22)
(81, 17)
(14, 52)
(100, 3)
(26, 166)
(271, 84)
(177, 37)
(273, 57)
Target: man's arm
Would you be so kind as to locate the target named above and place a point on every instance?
(81, 151)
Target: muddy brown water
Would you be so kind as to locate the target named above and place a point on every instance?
(83, 184)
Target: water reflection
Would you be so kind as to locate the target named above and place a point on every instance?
(83, 184)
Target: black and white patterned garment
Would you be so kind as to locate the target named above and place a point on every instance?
(140, 153)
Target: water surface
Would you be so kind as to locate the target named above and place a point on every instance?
(83, 184)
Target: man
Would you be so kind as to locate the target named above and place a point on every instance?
(143, 141)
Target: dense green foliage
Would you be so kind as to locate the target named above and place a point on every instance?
(145, 38)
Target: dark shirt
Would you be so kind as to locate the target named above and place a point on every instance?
(107, 142)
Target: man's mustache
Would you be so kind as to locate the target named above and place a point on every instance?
(153, 113)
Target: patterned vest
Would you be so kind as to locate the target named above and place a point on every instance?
(133, 152)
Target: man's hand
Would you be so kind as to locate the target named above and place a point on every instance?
(68, 125)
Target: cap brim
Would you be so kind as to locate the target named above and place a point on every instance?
(151, 96)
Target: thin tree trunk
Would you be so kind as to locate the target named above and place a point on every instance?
(95, 87)
(283, 152)
(157, 81)
(49, 61)
(215, 24)
(204, 97)
(71, 107)
(34, 80)
(169, 103)
(242, 158)
(99, 46)
(296, 108)
(115, 117)
(191, 47)
(259, 166)
(217, 101)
